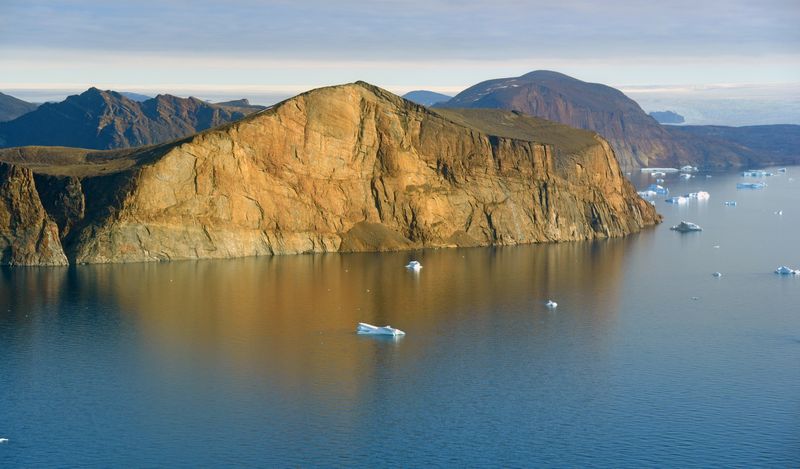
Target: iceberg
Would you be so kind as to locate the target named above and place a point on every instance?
(647, 194)
(783, 270)
(658, 189)
(782, 170)
(751, 185)
(551, 304)
(730, 202)
(677, 200)
(700, 195)
(685, 176)
(3, 440)
(414, 265)
(685, 227)
(659, 170)
(659, 181)
(688, 168)
(369, 329)
(717, 274)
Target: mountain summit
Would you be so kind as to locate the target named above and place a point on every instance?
(637, 139)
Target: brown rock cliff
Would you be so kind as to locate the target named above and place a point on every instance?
(349, 168)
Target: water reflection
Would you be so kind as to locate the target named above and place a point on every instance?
(291, 319)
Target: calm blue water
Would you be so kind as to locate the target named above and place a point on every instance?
(647, 361)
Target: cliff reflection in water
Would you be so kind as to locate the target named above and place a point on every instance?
(290, 319)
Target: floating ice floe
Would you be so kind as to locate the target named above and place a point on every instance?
(708, 176)
(413, 265)
(551, 304)
(778, 212)
(783, 270)
(751, 185)
(659, 181)
(659, 170)
(700, 195)
(369, 329)
(685, 176)
(685, 227)
(688, 168)
(3, 440)
(677, 200)
(647, 194)
(731, 203)
(657, 174)
(782, 170)
(717, 274)
(756, 173)
(658, 189)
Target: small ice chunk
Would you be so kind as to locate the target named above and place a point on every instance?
(783, 270)
(779, 212)
(685, 227)
(685, 176)
(731, 203)
(717, 274)
(368, 329)
(551, 304)
(414, 265)
(658, 189)
(677, 200)
(3, 440)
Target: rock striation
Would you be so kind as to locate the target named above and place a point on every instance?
(28, 236)
(343, 168)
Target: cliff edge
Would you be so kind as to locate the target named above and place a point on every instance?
(343, 168)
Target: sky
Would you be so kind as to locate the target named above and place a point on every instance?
(269, 49)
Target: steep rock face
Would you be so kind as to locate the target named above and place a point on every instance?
(351, 168)
(637, 139)
(107, 119)
(27, 234)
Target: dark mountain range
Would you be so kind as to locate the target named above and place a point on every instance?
(106, 119)
(667, 117)
(638, 140)
(426, 98)
(762, 144)
(11, 107)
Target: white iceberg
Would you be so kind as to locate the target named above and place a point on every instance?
(779, 212)
(677, 200)
(369, 329)
(685, 227)
(658, 189)
(3, 440)
(659, 170)
(685, 176)
(700, 195)
(732, 203)
(783, 270)
(414, 265)
(717, 274)
(647, 194)
(688, 168)
(551, 304)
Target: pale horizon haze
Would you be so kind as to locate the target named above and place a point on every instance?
(726, 62)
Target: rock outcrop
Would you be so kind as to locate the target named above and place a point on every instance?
(344, 168)
(28, 236)
(106, 119)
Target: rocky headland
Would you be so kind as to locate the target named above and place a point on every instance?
(343, 168)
